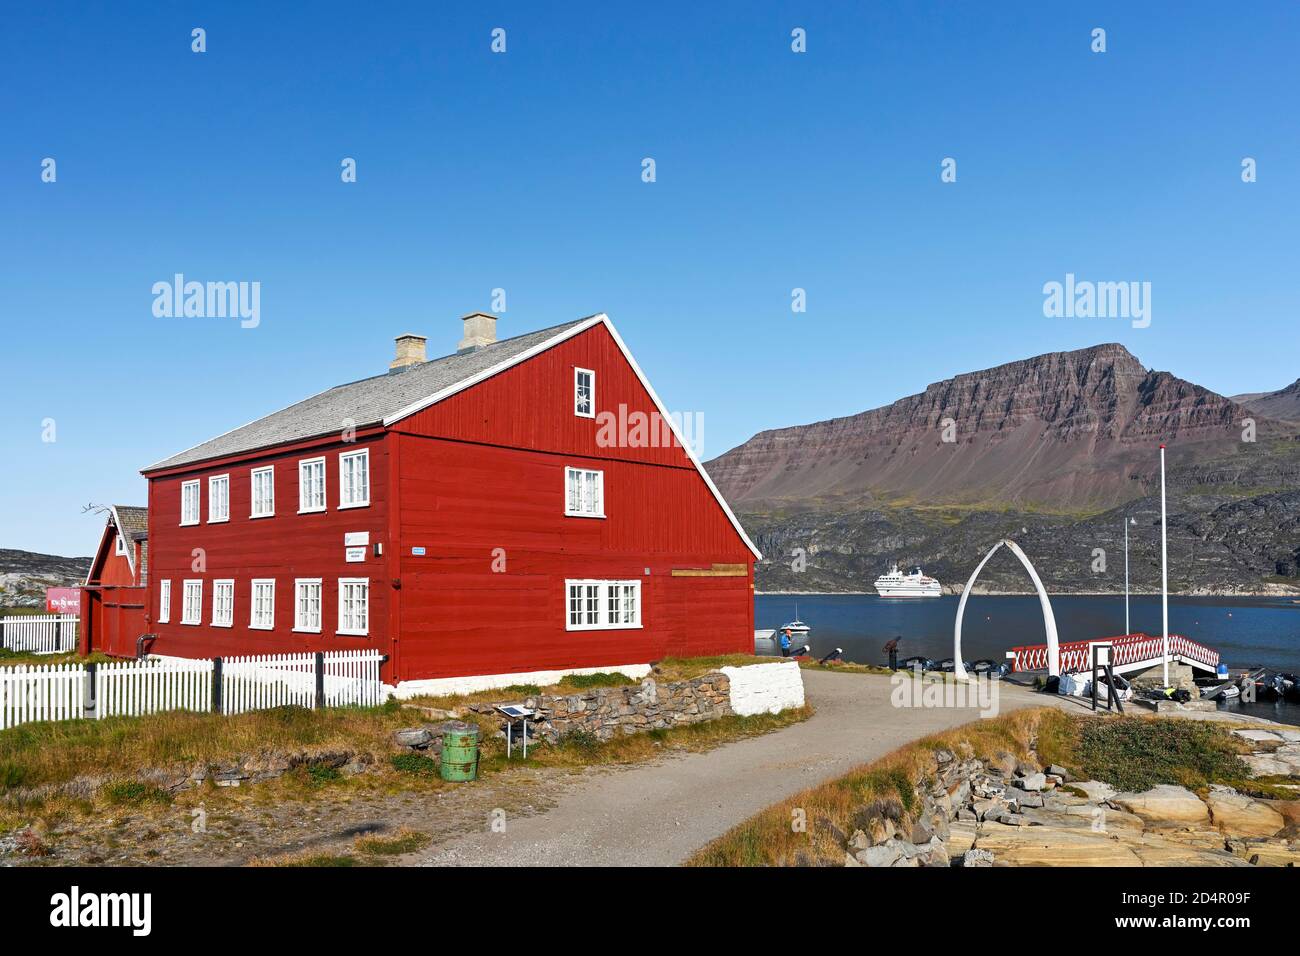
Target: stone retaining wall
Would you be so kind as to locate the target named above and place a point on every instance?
(606, 712)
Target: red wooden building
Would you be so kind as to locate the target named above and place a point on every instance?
(116, 590)
(517, 508)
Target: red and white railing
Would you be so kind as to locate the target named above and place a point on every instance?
(1128, 649)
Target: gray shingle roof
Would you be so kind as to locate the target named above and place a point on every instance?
(363, 403)
(134, 519)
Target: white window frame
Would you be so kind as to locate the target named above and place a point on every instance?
(364, 455)
(119, 547)
(602, 596)
(344, 585)
(252, 491)
(213, 482)
(198, 501)
(298, 584)
(591, 393)
(599, 504)
(253, 623)
(324, 499)
(165, 601)
(228, 586)
(198, 607)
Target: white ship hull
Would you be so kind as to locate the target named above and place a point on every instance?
(914, 584)
(901, 592)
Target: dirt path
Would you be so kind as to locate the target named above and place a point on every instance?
(658, 814)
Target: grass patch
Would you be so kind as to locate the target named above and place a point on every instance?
(1138, 753)
(131, 793)
(844, 667)
(400, 843)
(581, 741)
(416, 765)
(601, 679)
(320, 774)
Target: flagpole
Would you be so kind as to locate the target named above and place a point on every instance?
(1164, 565)
(1127, 629)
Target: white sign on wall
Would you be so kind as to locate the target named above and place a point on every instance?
(355, 554)
(355, 538)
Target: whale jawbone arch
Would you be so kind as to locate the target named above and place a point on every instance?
(1049, 619)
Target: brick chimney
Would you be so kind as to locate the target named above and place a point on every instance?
(480, 330)
(410, 351)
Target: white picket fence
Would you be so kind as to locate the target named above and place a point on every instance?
(351, 678)
(135, 688)
(151, 686)
(39, 633)
(40, 692)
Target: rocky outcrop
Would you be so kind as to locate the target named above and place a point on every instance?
(1165, 806)
(1004, 811)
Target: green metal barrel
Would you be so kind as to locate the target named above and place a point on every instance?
(459, 752)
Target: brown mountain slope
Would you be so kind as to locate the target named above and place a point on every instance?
(1065, 431)
(1284, 403)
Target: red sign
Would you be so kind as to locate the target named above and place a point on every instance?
(63, 600)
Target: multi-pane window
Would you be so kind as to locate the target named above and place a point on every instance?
(306, 600)
(263, 604)
(622, 600)
(218, 498)
(354, 606)
(192, 602)
(602, 605)
(584, 491)
(584, 392)
(311, 484)
(223, 603)
(190, 502)
(164, 602)
(354, 479)
(263, 482)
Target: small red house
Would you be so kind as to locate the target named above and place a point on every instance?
(116, 590)
(516, 509)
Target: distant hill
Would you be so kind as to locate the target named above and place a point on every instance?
(1054, 450)
(24, 576)
(1284, 403)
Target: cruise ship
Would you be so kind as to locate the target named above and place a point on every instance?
(914, 583)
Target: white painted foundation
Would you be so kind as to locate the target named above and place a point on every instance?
(443, 686)
(765, 688)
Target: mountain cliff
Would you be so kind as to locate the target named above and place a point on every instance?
(1053, 450)
(1284, 403)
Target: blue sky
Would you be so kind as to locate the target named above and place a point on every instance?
(521, 171)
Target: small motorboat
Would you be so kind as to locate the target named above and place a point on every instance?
(1291, 686)
(796, 626)
(912, 663)
(1227, 691)
(989, 667)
